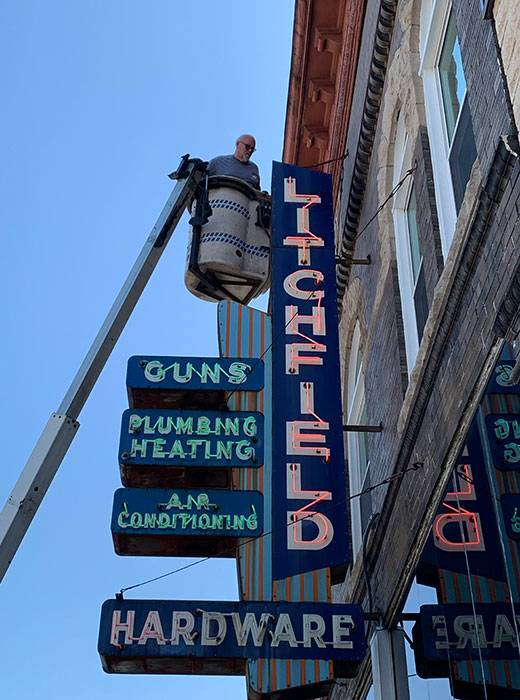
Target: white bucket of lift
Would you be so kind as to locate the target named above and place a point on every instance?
(234, 246)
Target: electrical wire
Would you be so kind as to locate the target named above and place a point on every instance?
(495, 496)
(269, 347)
(472, 598)
(444, 605)
(260, 358)
(326, 162)
(378, 210)
(385, 202)
(394, 477)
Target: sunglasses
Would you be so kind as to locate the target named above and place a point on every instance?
(248, 147)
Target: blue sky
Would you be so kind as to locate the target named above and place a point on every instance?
(100, 99)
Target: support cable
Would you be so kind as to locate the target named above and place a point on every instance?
(326, 162)
(394, 477)
(472, 598)
(392, 194)
(451, 661)
(378, 210)
(488, 461)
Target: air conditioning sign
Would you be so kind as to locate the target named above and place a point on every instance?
(310, 515)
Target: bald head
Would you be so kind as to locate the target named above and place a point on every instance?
(244, 147)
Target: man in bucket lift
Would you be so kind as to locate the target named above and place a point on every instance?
(238, 165)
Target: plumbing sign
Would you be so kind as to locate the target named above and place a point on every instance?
(159, 442)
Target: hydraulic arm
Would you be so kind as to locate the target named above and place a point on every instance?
(61, 427)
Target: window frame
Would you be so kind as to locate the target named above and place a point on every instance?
(440, 145)
(407, 285)
(356, 404)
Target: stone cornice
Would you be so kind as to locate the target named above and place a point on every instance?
(377, 73)
(326, 40)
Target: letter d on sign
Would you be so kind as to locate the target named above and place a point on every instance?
(218, 638)
(294, 531)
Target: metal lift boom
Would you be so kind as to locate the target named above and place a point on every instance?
(61, 427)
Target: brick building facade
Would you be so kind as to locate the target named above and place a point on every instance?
(416, 102)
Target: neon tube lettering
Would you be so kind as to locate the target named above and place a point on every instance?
(294, 320)
(290, 284)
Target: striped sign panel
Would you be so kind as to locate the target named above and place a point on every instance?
(246, 332)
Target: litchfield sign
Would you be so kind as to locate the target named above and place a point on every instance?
(503, 431)
(155, 442)
(471, 633)
(160, 636)
(184, 522)
(309, 489)
(190, 382)
(459, 632)
(465, 524)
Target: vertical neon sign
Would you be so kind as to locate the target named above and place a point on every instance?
(309, 509)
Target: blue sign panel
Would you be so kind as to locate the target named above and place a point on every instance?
(161, 636)
(500, 382)
(503, 431)
(461, 632)
(465, 524)
(155, 382)
(510, 505)
(184, 522)
(191, 438)
(309, 489)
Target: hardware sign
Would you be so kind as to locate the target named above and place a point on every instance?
(457, 632)
(168, 636)
(157, 522)
(309, 508)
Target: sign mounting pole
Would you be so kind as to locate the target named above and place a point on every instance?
(49, 451)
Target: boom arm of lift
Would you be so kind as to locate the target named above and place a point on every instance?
(61, 427)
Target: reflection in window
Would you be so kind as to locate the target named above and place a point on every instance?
(451, 74)
(420, 300)
(413, 235)
(457, 117)
(447, 97)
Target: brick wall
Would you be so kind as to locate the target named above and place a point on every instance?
(487, 92)
(426, 421)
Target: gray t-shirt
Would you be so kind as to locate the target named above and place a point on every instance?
(229, 165)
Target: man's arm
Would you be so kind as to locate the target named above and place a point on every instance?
(212, 166)
(257, 173)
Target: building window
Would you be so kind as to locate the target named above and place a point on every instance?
(420, 300)
(358, 459)
(451, 75)
(447, 112)
(410, 268)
